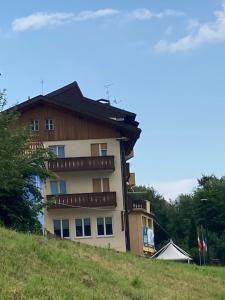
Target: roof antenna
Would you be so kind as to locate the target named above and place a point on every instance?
(42, 86)
(107, 90)
(115, 101)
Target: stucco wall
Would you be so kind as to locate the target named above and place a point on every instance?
(117, 241)
(81, 182)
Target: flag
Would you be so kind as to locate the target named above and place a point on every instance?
(199, 244)
(205, 247)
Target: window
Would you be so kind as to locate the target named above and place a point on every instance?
(35, 125)
(83, 227)
(150, 223)
(103, 149)
(49, 124)
(58, 187)
(58, 150)
(61, 228)
(99, 149)
(104, 226)
(144, 222)
(147, 222)
(100, 185)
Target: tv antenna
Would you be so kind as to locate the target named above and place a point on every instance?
(115, 101)
(42, 86)
(107, 86)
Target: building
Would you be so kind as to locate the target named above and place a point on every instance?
(92, 141)
(141, 226)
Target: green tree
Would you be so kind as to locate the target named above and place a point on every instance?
(182, 217)
(20, 199)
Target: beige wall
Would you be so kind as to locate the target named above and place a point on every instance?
(136, 233)
(81, 182)
(117, 241)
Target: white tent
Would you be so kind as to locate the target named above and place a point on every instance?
(172, 252)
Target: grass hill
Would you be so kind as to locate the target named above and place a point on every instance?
(33, 267)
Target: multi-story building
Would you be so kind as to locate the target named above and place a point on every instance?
(92, 140)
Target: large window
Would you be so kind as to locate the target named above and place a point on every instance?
(49, 124)
(34, 125)
(104, 226)
(58, 150)
(61, 228)
(58, 187)
(83, 227)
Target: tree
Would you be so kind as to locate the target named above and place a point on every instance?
(181, 218)
(20, 199)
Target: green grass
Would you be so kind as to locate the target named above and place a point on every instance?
(33, 267)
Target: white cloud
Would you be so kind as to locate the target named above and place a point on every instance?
(172, 189)
(205, 33)
(89, 14)
(39, 20)
(43, 19)
(147, 14)
(193, 24)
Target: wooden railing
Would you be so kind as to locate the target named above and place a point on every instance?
(82, 163)
(83, 200)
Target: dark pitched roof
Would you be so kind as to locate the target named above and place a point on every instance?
(71, 98)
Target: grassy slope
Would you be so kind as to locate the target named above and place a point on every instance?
(33, 267)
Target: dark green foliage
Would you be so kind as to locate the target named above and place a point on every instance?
(182, 218)
(20, 199)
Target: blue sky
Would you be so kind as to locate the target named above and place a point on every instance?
(164, 59)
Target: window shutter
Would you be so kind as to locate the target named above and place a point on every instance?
(105, 184)
(94, 149)
(104, 146)
(96, 185)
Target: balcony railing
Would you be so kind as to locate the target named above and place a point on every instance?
(134, 203)
(83, 200)
(137, 200)
(82, 163)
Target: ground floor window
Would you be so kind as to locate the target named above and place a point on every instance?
(61, 228)
(83, 227)
(104, 226)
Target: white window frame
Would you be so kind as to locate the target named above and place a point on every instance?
(83, 236)
(57, 149)
(58, 184)
(100, 149)
(35, 123)
(61, 227)
(105, 235)
(48, 124)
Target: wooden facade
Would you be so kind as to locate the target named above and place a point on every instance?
(68, 125)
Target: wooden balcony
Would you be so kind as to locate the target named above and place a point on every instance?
(106, 199)
(82, 163)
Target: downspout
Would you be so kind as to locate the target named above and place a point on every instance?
(125, 194)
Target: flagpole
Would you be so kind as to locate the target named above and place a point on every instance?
(203, 252)
(199, 250)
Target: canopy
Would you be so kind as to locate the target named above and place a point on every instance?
(172, 252)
